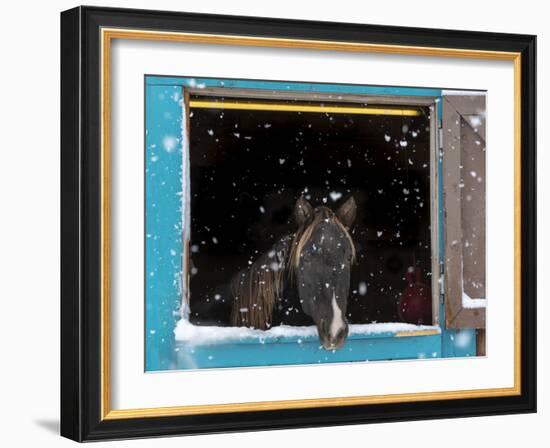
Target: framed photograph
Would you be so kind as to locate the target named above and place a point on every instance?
(274, 224)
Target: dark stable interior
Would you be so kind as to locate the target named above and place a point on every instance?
(248, 168)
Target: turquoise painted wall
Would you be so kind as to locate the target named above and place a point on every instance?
(163, 245)
(163, 231)
(359, 349)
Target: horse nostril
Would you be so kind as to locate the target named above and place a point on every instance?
(342, 333)
(340, 338)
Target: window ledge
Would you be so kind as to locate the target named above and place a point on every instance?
(200, 347)
(197, 335)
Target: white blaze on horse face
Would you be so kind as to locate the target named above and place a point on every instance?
(337, 318)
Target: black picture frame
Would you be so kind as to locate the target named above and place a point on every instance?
(81, 210)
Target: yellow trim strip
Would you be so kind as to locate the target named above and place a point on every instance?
(278, 107)
(409, 334)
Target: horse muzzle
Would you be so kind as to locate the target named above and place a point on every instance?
(330, 341)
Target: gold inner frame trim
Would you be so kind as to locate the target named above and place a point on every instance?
(107, 35)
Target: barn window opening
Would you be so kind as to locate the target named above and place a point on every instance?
(251, 159)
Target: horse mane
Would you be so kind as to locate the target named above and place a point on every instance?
(257, 289)
(303, 234)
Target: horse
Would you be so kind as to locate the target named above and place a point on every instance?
(304, 279)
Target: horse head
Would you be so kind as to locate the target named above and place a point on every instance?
(322, 253)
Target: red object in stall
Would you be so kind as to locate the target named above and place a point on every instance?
(415, 303)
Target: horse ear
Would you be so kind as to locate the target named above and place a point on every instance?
(347, 212)
(302, 211)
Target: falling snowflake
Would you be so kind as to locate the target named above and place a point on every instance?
(169, 142)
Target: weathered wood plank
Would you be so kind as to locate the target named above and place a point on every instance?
(464, 204)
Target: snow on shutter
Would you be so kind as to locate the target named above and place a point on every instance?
(463, 135)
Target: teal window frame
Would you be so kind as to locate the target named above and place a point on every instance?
(165, 185)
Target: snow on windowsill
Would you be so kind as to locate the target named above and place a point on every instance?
(206, 335)
(464, 92)
(468, 302)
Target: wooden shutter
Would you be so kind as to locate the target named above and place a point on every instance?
(463, 142)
